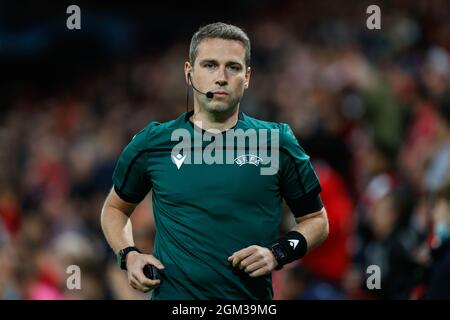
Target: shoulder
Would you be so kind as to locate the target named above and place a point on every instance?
(254, 123)
(285, 133)
(154, 134)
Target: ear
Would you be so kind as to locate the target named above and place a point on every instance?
(248, 73)
(187, 70)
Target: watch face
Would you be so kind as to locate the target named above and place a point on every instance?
(279, 254)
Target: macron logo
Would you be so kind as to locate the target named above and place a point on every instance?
(293, 243)
(178, 159)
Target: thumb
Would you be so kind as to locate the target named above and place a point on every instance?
(152, 260)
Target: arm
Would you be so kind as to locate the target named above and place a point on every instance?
(300, 188)
(314, 227)
(259, 261)
(115, 221)
(117, 228)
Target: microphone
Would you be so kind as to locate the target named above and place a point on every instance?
(208, 94)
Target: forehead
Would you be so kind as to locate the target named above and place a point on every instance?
(440, 211)
(221, 50)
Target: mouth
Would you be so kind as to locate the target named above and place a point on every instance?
(220, 93)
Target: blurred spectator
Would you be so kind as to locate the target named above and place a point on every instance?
(390, 244)
(438, 279)
(438, 172)
(330, 262)
(371, 108)
(300, 284)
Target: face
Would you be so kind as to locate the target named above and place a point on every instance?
(441, 213)
(219, 68)
(383, 218)
(441, 220)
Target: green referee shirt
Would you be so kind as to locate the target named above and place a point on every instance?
(205, 212)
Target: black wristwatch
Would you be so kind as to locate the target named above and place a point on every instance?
(279, 255)
(122, 256)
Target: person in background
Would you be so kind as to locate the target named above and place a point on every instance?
(438, 283)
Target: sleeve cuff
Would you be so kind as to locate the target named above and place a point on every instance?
(125, 197)
(306, 204)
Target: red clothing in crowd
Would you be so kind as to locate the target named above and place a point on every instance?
(331, 259)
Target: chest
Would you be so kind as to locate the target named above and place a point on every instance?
(182, 177)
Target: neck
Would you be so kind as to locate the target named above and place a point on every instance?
(215, 121)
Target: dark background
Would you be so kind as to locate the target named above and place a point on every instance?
(370, 107)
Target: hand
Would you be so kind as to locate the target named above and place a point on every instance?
(255, 260)
(136, 278)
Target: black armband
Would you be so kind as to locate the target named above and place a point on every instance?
(306, 204)
(291, 247)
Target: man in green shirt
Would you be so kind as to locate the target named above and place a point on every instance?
(218, 178)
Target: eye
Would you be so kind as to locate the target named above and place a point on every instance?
(209, 65)
(235, 68)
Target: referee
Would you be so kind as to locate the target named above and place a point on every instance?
(216, 223)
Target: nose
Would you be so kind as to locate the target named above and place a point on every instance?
(221, 77)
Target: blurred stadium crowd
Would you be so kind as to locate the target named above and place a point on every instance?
(372, 108)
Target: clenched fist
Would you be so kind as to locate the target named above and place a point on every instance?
(136, 278)
(255, 260)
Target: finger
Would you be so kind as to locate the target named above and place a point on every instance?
(141, 283)
(255, 266)
(133, 286)
(136, 285)
(152, 260)
(237, 259)
(144, 281)
(260, 272)
(245, 252)
(242, 254)
(232, 257)
(145, 287)
(249, 260)
(149, 283)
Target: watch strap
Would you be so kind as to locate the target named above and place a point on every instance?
(122, 256)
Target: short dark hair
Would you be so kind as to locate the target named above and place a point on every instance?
(219, 30)
(442, 194)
